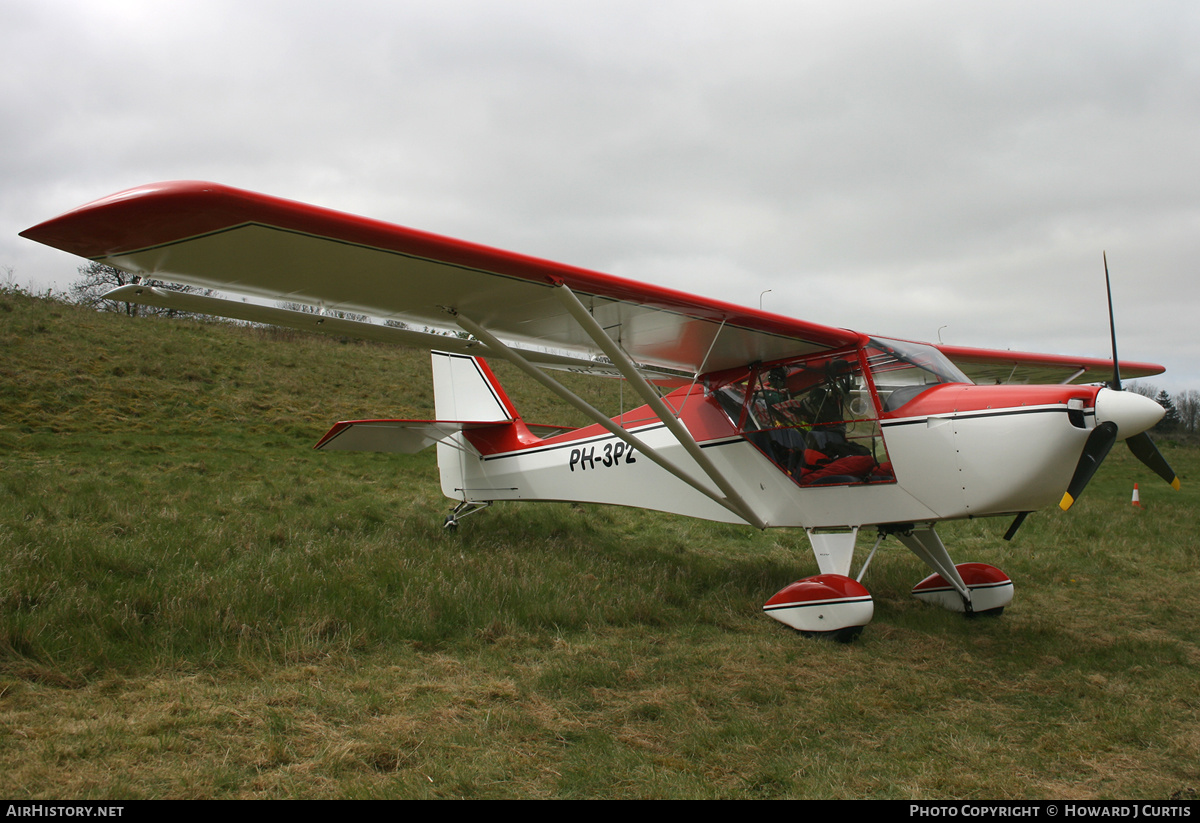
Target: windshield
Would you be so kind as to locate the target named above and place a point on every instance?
(903, 370)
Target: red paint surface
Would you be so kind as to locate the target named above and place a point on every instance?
(973, 574)
(957, 397)
(818, 588)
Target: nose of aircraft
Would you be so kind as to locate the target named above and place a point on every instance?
(1132, 413)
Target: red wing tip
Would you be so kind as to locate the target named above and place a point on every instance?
(166, 187)
(112, 223)
(337, 429)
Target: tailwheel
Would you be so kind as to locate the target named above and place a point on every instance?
(827, 605)
(990, 590)
(462, 510)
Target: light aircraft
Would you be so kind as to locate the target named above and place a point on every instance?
(749, 417)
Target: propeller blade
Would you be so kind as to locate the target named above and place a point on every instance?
(1135, 415)
(1016, 524)
(1143, 449)
(1112, 328)
(1097, 447)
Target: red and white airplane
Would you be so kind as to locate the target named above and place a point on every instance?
(749, 417)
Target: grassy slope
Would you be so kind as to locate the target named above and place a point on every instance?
(195, 604)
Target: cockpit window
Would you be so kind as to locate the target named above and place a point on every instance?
(903, 370)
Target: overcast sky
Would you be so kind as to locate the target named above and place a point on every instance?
(892, 167)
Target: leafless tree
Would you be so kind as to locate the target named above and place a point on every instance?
(1187, 407)
(310, 309)
(97, 279)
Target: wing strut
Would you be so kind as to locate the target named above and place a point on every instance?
(630, 372)
(599, 417)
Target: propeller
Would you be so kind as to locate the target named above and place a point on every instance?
(1118, 410)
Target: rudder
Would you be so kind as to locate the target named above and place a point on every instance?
(464, 388)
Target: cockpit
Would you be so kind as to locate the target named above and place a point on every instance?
(817, 417)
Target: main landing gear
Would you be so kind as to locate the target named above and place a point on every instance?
(832, 604)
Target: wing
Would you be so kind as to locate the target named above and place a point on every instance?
(987, 366)
(212, 236)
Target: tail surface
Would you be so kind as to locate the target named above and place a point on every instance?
(464, 388)
(473, 415)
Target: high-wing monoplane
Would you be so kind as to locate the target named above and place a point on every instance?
(748, 417)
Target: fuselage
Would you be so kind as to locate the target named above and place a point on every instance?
(953, 451)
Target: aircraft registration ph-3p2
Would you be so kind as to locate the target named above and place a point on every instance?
(749, 417)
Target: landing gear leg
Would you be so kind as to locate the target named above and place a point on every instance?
(462, 510)
(926, 544)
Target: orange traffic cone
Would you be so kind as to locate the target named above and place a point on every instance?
(1137, 503)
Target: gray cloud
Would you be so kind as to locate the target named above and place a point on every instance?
(888, 167)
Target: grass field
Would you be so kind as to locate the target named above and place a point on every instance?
(193, 603)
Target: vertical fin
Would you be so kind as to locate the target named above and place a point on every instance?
(464, 388)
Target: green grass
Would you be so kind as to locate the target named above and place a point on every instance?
(193, 603)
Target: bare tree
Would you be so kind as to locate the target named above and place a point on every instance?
(1187, 407)
(1144, 389)
(307, 308)
(97, 279)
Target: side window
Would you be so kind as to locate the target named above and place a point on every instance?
(813, 417)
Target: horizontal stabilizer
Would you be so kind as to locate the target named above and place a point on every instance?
(394, 436)
(544, 430)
